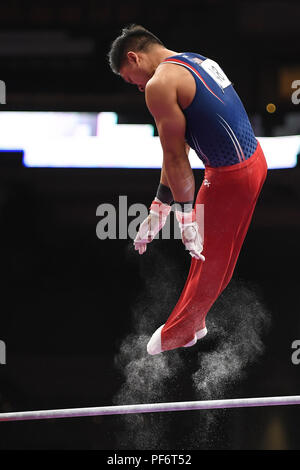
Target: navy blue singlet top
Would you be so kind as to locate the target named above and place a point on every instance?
(217, 125)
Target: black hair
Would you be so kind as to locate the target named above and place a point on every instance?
(133, 37)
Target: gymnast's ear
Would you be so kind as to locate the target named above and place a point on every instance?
(132, 57)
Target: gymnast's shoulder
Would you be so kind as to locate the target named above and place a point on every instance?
(161, 87)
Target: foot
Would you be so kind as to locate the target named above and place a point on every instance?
(198, 335)
(201, 333)
(154, 345)
(191, 343)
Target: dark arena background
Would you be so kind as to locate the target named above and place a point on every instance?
(77, 311)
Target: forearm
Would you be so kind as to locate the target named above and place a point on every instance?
(179, 175)
(163, 176)
(164, 193)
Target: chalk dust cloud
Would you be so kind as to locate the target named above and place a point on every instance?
(237, 324)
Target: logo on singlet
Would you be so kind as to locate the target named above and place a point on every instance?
(206, 182)
(197, 60)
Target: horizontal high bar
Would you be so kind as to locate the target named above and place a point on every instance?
(150, 408)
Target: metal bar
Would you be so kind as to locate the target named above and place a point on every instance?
(150, 408)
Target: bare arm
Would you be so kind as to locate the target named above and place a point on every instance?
(163, 175)
(161, 99)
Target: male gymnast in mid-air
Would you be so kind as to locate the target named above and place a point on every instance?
(195, 105)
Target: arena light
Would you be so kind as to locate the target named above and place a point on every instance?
(282, 151)
(96, 140)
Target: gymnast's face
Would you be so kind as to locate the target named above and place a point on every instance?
(137, 70)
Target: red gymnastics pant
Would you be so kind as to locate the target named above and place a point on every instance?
(229, 196)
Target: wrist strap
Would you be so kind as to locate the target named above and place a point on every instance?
(164, 194)
(159, 208)
(183, 206)
(185, 218)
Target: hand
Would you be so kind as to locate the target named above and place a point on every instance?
(190, 235)
(150, 227)
(192, 240)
